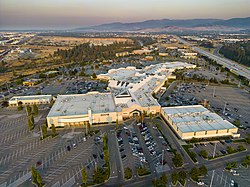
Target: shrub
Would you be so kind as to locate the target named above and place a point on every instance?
(142, 171)
(128, 173)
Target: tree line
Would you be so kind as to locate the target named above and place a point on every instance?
(89, 52)
(239, 52)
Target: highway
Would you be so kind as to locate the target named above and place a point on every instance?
(233, 66)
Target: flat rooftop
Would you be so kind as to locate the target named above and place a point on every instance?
(196, 118)
(31, 97)
(78, 104)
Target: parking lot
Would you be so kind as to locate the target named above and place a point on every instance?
(141, 145)
(227, 179)
(230, 102)
(59, 160)
(218, 148)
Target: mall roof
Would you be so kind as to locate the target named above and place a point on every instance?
(78, 104)
(196, 118)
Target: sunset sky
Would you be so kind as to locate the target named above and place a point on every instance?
(58, 14)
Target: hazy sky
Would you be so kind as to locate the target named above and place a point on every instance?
(74, 13)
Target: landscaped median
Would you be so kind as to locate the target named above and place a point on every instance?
(143, 171)
(230, 150)
(101, 174)
(191, 154)
(127, 173)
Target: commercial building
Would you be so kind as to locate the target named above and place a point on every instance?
(30, 100)
(132, 92)
(81, 109)
(142, 51)
(197, 122)
(135, 90)
(122, 54)
(31, 82)
(188, 55)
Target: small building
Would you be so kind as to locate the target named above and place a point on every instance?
(197, 122)
(31, 82)
(30, 100)
(163, 54)
(147, 58)
(187, 55)
(142, 52)
(122, 54)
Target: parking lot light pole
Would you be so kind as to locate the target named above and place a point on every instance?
(162, 156)
(214, 149)
(214, 92)
(212, 179)
(224, 109)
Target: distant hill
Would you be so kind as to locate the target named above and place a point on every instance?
(165, 24)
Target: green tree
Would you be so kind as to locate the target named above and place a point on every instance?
(182, 177)
(241, 148)
(28, 109)
(53, 129)
(164, 178)
(32, 119)
(94, 75)
(204, 153)
(203, 170)
(35, 109)
(84, 176)
(246, 161)
(44, 130)
(20, 107)
(39, 180)
(34, 174)
(174, 177)
(99, 175)
(230, 150)
(150, 116)
(127, 173)
(30, 124)
(117, 123)
(177, 160)
(194, 174)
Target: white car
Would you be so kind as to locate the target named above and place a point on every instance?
(142, 159)
(200, 183)
(235, 173)
(232, 182)
(135, 139)
(138, 124)
(126, 128)
(161, 137)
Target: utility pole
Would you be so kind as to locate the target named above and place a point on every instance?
(224, 109)
(214, 149)
(162, 156)
(8, 88)
(214, 92)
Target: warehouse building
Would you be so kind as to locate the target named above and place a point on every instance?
(197, 122)
(30, 100)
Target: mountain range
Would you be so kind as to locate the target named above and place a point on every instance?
(161, 25)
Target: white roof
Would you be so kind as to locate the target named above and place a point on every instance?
(31, 97)
(141, 83)
(78, 104)
(196, 118)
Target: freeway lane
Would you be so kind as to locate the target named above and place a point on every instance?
(237, 68)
